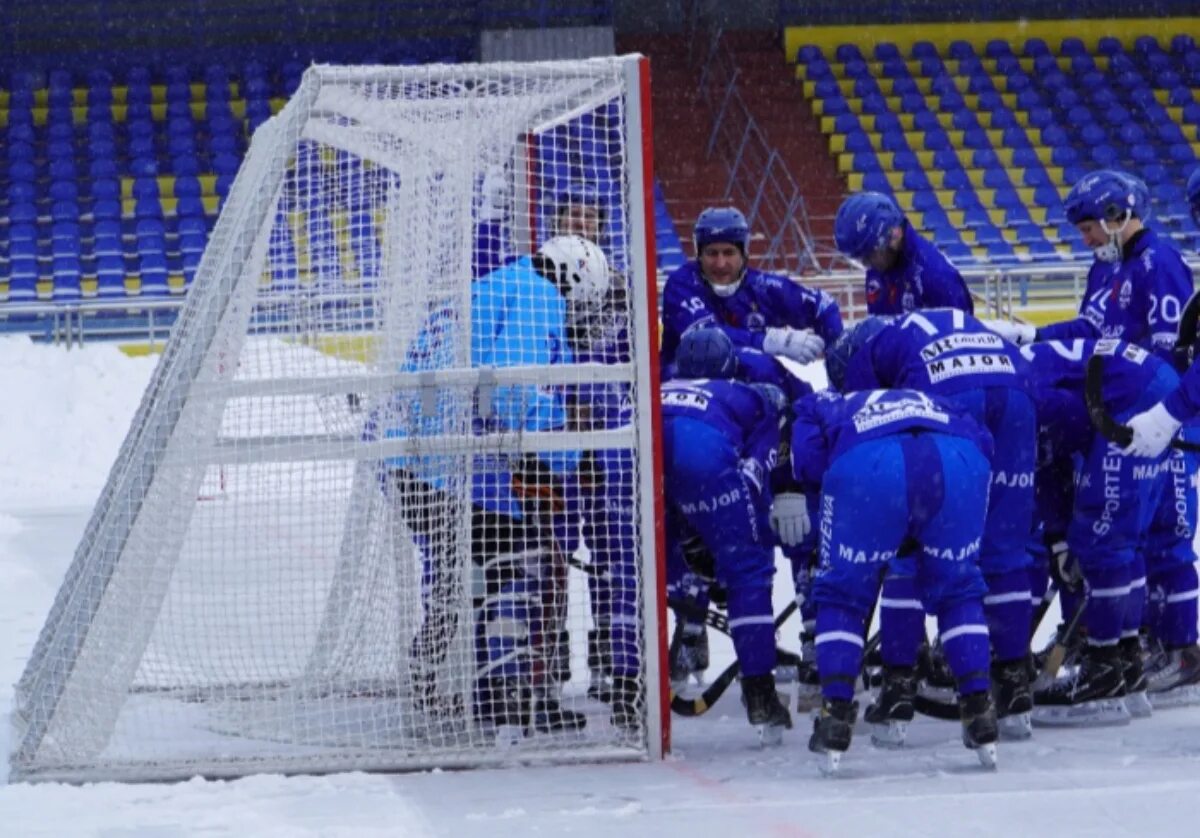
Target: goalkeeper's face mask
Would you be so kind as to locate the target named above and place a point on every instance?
(594, 326)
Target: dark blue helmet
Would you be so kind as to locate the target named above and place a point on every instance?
(773, 396)
(1106, 195)
(721, 224)
(705, 353)
(1193, 194)
(864, 223)
(849, 342)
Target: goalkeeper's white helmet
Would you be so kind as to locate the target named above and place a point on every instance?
(579, 267)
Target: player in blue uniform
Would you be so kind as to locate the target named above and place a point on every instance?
(709, 353)
(1105, 518)
(720, 443)
(1173, 667)
(904, 271)
(764, 311)
(1138, 282)
(894, 466)
(525, 313)
(948, 353)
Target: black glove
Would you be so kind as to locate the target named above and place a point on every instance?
(1064, 568)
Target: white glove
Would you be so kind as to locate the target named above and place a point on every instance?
(789, 517)
(801, 345)
(1015, 332)
(1153, 431)
(494, 192)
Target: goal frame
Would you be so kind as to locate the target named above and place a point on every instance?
(119, 519)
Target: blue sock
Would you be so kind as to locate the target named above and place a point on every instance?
(1135, 604)
(1108, 593)
(1176, 591)
(1009, 611)
(752, 626)
(964, 634)
(901, 621)
(839, 650)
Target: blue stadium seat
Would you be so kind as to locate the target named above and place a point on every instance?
(1026, 232)
(1055, 214)
(1093, 134)
(1169, 133)
(876, 182)
(23, 279)
(996, 179)
(997, 47)
(1035, 175)
(955, 178)
(885, 50)
(961, 50)
(1063, 155)
(848, 52)
(1042, 250)
(1104, 156)
(976, 138)
(904, 161)
(806, 54)
(987, 234)
(1007, 198)
(976, 217)
(926, 121)
(856, 69)
(967, 199)
(865, 161)
(66, 272)
(110, 276)
(153, 273)
(925, 200)
(943, 236)
(1072, 47)
(916, 179)
(1000, 251)
(981, 84)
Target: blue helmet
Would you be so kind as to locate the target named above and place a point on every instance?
(773, 396)
(849, 342)
(721, 224)
(1106, 195)
(864, 223)
(1193, 194)
(705, 353)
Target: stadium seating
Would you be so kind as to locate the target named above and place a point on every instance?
(111, 180)
(992, 135)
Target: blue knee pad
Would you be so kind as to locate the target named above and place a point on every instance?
(752, 626)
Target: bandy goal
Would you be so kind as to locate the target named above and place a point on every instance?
(389, 501)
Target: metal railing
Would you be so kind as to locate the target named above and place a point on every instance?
(759, 181)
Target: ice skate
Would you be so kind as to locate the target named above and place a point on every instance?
(764, 709)
(504, 706)
(625, 713)
(833, 727)
(1091, 695)
(892, 710)
(688, 655)
(551, 717)
(1136, 700)
(599, 662)
(980, 730)
(1173, 677)
(808, 681)
(1014, 700)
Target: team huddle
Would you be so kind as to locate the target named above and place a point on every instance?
(951, 468)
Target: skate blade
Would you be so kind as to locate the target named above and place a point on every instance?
(1139, 706)
(1016, 727)
(770, 736)
(1106, 711)
(829, 763)
(1184, 696)
(987, 755)
(890, 735)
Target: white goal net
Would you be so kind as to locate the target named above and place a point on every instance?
(388, 501)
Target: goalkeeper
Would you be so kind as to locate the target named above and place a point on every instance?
(522, 314)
